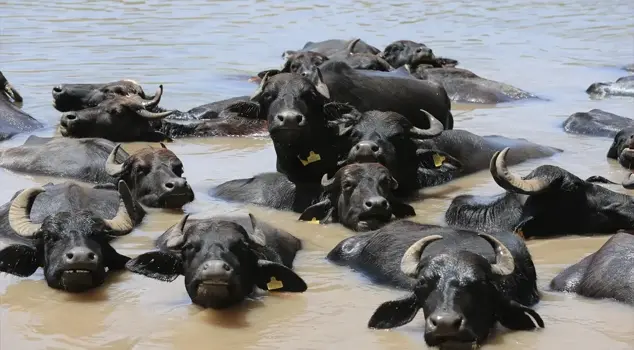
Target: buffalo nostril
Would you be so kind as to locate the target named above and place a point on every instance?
(69, 256)
(375, 148)
(91, 256)
(299, 118)
(226, 267)
(304, 74)
(169, 185)
(368, 204)
(71, 117)
(280, 118)
(356, 147)
(57, 89)
(457, 323)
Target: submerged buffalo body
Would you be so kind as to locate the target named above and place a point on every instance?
(472, 153)
(621, 87)
(153, 175)
(273, 190)
(66, 229)
(223, 259)
(465, 86)
(606, 274)
(548, 202)
(12, 119)
(461, 85)
(596, 122)
(463, 281)
(336, 47)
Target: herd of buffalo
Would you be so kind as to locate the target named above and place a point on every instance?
(357, 133)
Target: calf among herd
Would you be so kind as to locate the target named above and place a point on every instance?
(357, 132)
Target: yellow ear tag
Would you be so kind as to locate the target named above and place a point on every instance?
(274, 284)
(314, 221)
(312, 157)
(438, 159)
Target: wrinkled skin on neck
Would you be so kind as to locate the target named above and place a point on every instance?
(360, 198)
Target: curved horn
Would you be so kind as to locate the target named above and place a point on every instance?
(151, 115)
(20, 211)
(510, 181)
(12, 92)
(177, 236)
(155, 100)
(327, 183)
(352, 44)
(411, 258)
(260, 88)
(435, 128)
(122, 222)
(504, 262)
(112, 168)
(257, 236)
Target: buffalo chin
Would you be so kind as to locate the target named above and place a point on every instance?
(216, 294)
(173, 201)
(78, 280)
(286, 135)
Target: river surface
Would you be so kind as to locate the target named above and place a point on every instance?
(203, 51)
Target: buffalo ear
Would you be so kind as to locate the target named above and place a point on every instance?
(276, 277)
(321, 212)
(336, 110)
(245, 109)
(113, 260)
(394, 313)
(158, 264)
(402, 210)
(516, 316)
(269, 72)
(432, 159)
(321, 87)
(18, 259)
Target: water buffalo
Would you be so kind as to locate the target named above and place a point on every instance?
(153, 175)
(381, 91)
(622, 149)
(461, 85)
(273, 190)
(390, 139)
(413, 54)
(67, 230)
(629, 67)
(359, 197)
(463, 281)
(473, 153)
(596, 122)
(548, 202)
(606, 274)
(75, 97)
(294, 108)
(336, 47)
(12, 119)
(118, 119)
(623, 86)
(223, 260)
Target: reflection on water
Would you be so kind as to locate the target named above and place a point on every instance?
(201, 50)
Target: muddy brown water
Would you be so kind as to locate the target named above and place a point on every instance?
(202, 50)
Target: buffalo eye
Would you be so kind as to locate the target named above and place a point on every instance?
(190, 248)
(384, 181)
(51, 238)
(294, 67)
(142, 170)
(178, 170)
(347, 185)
